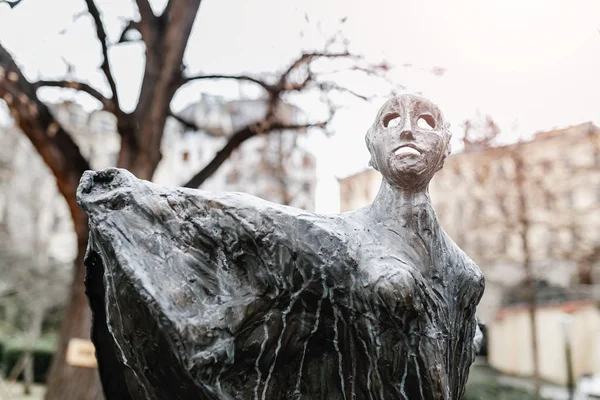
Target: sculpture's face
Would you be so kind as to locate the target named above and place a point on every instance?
(408, 141)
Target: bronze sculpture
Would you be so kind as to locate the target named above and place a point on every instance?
(226, 296)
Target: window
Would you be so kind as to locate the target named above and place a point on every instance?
(500, 173)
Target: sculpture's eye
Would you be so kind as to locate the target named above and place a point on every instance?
(426, 121)
(391, 120)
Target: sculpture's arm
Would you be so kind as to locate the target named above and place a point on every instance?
(216, 230)
(203, 266)
(479, 339)
(471, 284)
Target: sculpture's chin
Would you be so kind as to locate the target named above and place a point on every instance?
(407, 162)
(408, 175)
(410, 172)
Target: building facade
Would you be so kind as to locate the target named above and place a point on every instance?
(546, 191)
(275, 167)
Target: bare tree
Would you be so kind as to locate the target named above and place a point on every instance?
(480, 135)
(587, 255)
(165, 38)
(524, 224)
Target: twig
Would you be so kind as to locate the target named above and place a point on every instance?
(83, 87)
(237, 139)
(263, 84)
(11, 4)
(145, 10)
(191, 125)
(105, 66)
(131, 26)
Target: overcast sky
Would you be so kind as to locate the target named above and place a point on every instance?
(532, 65)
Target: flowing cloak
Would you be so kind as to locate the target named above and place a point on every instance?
(203, 295)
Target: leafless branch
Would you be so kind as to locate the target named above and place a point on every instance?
(147, 25)
(372, 69)
(263, 84)
(101, 33)
(240, 137)
(83, 87)
(145, 10)
(131, 26)
(11, 4)
(306, 58)
(190, 124)
(52, 142)
(326, 86)
(285, 83)
(184, 122)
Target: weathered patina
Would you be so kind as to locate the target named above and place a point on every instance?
(226, 296)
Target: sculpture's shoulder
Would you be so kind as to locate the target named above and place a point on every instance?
(116, 188)
(461, 263)
(268, 216)
(249, 215)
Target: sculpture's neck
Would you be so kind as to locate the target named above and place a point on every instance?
(401, 205)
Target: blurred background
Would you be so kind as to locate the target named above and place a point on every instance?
(273, 98)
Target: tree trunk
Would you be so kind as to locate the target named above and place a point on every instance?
(35, 329)
(77, 324)
(78, 317)
(528, 267)
(18, 368)
(534, 334)
(28, 373)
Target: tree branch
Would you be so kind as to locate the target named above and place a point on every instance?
(105, 66)
(145, 10)
(194, 126)
(147, 25)
(237, 139)
(326, 86)
(263, 84)
(83, 87)
(184, 122)
(52, 142)
(131, 26)
(283, 84)
(165, 41)
(269, 123)
(11, 4)
(306, 58)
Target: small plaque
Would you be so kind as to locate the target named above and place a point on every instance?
(81, 353)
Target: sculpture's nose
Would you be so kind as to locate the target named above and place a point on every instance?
(108, 187)
(99, 180)
(406, 132)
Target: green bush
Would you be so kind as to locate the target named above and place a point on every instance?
(42, 357)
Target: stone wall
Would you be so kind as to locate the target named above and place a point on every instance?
(578, 322)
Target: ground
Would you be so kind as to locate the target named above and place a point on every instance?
(14, 391)
(487, 384)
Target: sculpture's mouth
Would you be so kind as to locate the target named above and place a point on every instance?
(406, 150)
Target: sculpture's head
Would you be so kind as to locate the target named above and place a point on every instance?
(408, 141)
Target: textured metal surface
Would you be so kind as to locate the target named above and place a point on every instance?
(226, 296)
